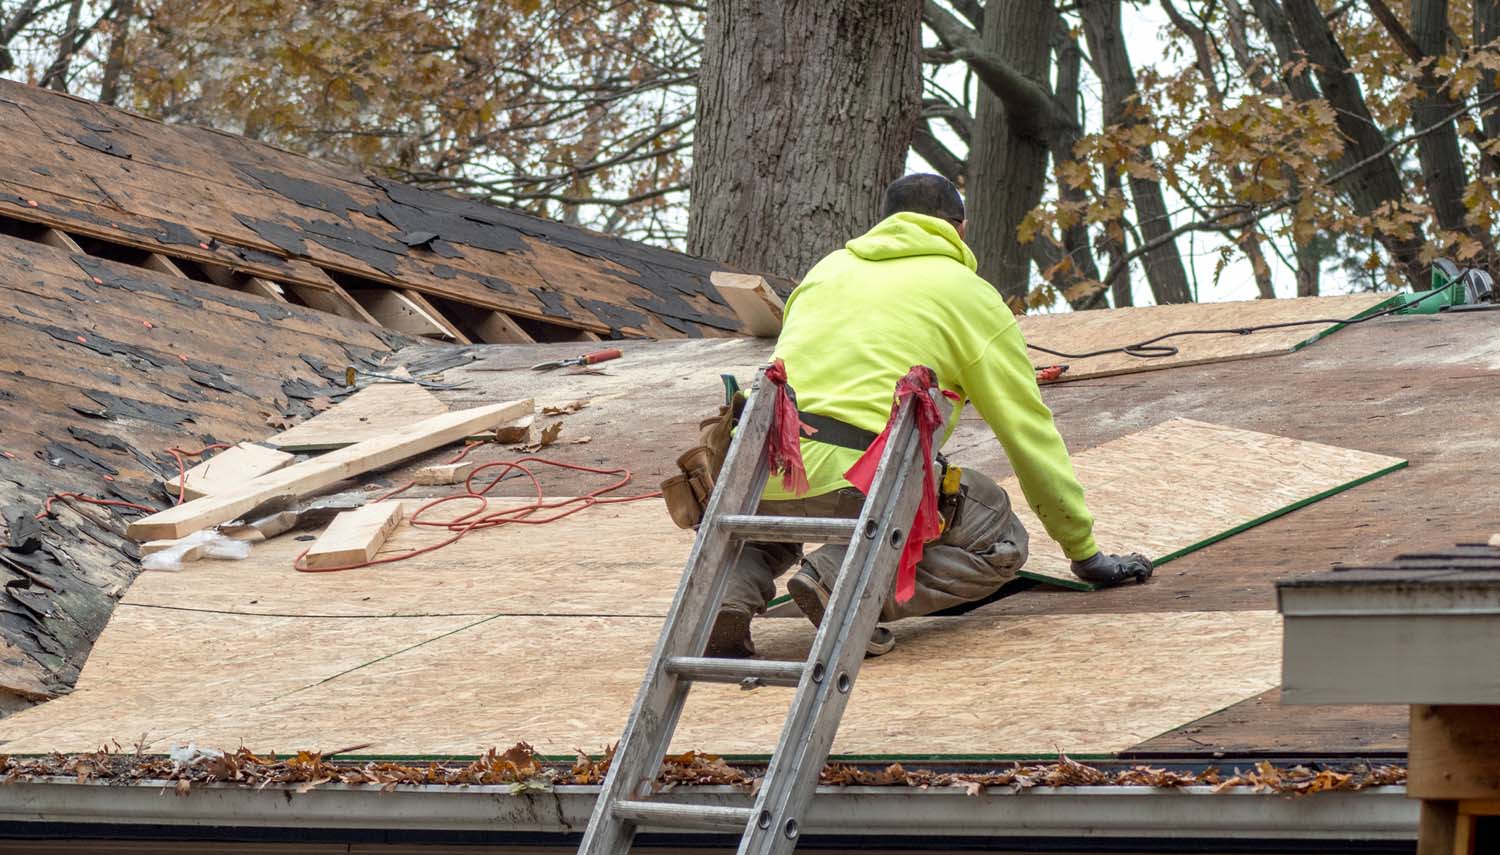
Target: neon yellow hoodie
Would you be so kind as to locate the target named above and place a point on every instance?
(903, 294)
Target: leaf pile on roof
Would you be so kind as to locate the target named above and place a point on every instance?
(522, 769)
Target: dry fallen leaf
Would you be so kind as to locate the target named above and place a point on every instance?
(547, 437)
(564, 409)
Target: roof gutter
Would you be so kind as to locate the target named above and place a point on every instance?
(1077, 813)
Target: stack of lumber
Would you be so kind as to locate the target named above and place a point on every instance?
(265, 478)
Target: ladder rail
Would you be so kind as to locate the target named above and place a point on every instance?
(833, 664)
(658, 703)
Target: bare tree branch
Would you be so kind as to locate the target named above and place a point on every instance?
(1028, 104)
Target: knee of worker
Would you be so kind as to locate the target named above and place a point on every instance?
(752, 583)
(987, 527)
(825, 562)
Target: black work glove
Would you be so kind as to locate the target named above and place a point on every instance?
(1108, 570)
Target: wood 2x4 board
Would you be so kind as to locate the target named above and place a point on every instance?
(507, 635)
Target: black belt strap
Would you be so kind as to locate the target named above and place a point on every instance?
(834, 432)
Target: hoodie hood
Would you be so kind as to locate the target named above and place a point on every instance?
(906, 234)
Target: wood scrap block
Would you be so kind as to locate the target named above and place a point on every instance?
(355, 536)
(444, 473)
(518, 431)
(310, 476)
(1495, 540)
(758, 307)
(230, 468)
(372, 411)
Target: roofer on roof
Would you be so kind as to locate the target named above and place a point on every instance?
(905, 294)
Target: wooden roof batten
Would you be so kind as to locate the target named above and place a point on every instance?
(253, 217)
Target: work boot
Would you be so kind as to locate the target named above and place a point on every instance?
(811, 596)
(730, 638)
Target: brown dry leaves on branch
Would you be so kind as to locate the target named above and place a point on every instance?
(521, 769)
(558, 107)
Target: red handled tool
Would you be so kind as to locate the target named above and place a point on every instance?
(1050, 373)
(586, 359)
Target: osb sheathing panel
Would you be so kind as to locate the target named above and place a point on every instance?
(155, 673)
(1085, 332)
(608, 560)
(972, 685)
(1183, 483)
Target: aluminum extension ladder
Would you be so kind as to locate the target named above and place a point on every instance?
(823, 681)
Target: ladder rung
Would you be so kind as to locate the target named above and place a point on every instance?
(789, 529)
(683, 816)
(711, 670)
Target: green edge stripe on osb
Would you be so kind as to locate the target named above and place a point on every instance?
(1079, 585)
(1381, 306)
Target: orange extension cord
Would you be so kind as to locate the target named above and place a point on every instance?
(460, 526)
(177, 454)
(476, 519)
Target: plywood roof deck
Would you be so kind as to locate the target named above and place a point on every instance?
(1372, 387)
(1407, 387)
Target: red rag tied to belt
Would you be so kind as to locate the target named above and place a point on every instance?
(927, 524)
(784, 443)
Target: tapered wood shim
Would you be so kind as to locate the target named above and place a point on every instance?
(313, 475)
(446, 473)
(758, 307)
(355, 536)
(230, 468)
(373, 411)
(517, 432)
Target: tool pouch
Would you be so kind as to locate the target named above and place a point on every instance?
(687, 494)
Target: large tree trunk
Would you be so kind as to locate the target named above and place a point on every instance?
(1442, 166)
(114, 65)
(1008, 162)
(1309, 268)
(805, 112)
(1377, 182)
(1121, 289)
(1486, 30)
(57, 73)
(1164, 270)
(1075, 238)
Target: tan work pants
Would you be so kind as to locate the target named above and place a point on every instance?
(970, 561)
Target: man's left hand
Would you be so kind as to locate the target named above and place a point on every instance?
(1109, 570)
